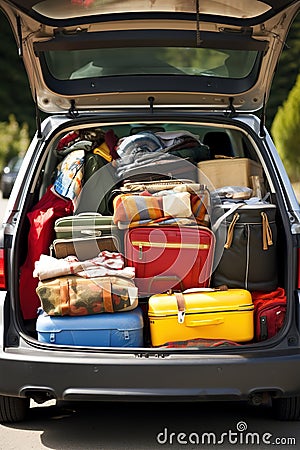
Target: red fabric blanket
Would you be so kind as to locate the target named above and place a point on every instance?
(200, 343)
(40, 237)
(261, 297)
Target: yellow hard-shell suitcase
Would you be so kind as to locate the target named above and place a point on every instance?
(207, 314)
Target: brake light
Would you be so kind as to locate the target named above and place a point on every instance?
(2, 271)
(298, 281)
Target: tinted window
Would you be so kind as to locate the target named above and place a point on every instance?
(79, 64)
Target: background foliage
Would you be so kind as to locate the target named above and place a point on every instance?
(285, 131)
(287, 72)
(14, 139)
(15, 95)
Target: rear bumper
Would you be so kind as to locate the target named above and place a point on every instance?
(133, 378)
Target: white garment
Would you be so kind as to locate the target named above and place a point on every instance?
(106, 263)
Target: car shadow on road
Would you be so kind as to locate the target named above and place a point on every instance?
(92, 426)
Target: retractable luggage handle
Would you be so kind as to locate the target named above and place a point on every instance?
(156, 278)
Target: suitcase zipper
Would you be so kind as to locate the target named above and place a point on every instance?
(169, 245)
(142, 244)
(239, 309)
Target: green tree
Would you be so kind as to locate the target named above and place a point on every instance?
(285, 132)
(286, 73)
(14, 139)
(15, 95)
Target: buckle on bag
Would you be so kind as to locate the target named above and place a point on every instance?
(181, 306)
(180, 316)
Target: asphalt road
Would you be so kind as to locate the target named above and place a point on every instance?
(148, 425)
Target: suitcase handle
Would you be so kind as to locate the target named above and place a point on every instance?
(89, 214)
(91, 233)
(203, 323)
(223, 287)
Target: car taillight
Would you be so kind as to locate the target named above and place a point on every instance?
(2, 270)
(298, 269)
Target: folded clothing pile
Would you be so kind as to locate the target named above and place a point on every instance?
(68, 286)
(151, 156)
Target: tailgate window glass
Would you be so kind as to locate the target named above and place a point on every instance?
(89, 63)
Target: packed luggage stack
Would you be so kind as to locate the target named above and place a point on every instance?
(152, 240)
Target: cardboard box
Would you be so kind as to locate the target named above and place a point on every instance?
(228, 172)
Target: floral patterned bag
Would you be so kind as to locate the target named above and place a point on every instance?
(73, 295)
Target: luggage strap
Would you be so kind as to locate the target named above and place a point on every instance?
(181, 301)
(64, 294)
(107, 299)
(218, 222)
(65, 286)
(230, 231)
(267, 232)
(181, 306)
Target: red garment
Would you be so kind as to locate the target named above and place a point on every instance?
(111, 141)
(269, 312)
(200, 342)
(67, 140)
(40, 237)
(262, 296)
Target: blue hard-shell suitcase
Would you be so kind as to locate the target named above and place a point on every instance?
(124, 329)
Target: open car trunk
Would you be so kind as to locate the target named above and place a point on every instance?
(79, 171)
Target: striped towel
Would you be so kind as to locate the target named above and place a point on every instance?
(146, 208)
(178, 209)
(135, 208)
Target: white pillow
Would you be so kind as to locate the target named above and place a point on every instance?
(177, 205)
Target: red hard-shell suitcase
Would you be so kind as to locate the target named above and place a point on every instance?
(170, 257)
